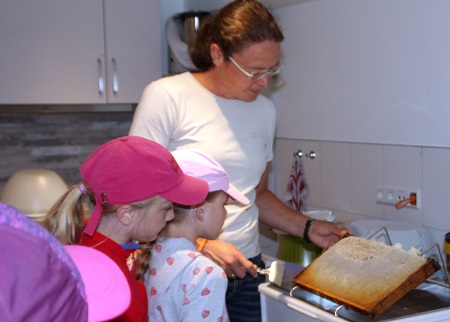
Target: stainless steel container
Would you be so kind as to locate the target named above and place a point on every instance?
(190, 22)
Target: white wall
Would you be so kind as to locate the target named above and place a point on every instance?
(367, 87)
(366, 71)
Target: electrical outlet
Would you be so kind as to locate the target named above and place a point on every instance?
(392, 195)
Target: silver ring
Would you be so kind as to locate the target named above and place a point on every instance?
(233, 275)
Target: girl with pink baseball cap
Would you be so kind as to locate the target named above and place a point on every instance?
(126, 194)
(182, 284)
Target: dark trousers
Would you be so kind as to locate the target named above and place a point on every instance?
(243, 301)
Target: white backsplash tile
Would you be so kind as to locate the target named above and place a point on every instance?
(436, 188)
(335, 174)
(344, 177)
(402, 168)
(311, 167)
(366, 174)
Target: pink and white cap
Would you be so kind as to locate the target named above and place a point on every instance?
(202, 166)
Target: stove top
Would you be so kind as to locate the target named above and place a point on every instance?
(426, 298)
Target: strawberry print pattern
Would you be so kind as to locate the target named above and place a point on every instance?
(184, 285)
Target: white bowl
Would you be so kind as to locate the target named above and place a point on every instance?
(33, 191)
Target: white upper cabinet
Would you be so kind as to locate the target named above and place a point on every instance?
(78, 52)
(133, 47)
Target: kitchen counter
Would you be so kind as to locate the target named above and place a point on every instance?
(428, 302)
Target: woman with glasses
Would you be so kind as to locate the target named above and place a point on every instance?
(220, 111)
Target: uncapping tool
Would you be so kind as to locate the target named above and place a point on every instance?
(274, 272)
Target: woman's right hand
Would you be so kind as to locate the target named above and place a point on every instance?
(229, 258)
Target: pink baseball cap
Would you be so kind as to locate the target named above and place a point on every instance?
(131, 169)
(107, 291)
(201, 165)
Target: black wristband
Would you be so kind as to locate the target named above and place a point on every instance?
(306, 231)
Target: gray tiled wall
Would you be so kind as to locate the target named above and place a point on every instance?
(58, 142)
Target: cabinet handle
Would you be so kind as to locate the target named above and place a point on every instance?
(115, 77)
(101, 78)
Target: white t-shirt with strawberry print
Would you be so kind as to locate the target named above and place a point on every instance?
(183, 285)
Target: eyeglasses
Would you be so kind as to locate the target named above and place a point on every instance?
(259, 74)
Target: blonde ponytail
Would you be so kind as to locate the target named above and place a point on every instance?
(66, 219)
